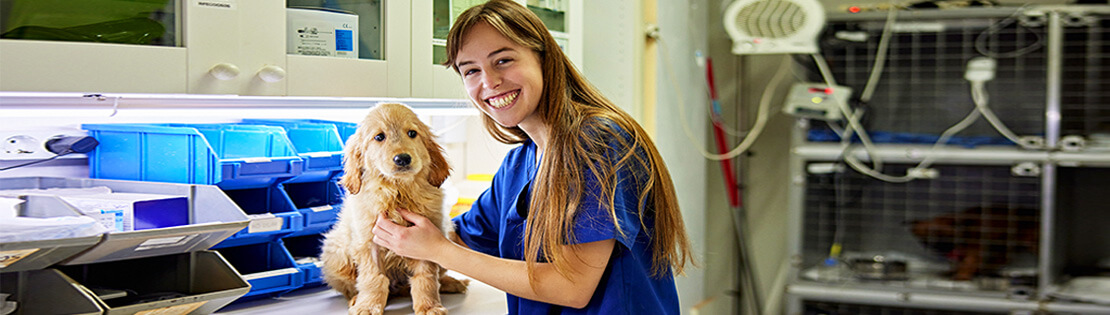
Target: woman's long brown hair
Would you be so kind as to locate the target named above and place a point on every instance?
(583, 136)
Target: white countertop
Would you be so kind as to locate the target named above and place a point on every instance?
(480, 298)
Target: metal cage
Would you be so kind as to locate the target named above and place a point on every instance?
(974, 227)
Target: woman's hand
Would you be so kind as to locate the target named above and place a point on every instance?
(423, 240)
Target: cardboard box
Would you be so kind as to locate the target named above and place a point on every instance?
(321, 32)
(122, 212)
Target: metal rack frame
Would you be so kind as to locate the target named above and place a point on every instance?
(1051, 263)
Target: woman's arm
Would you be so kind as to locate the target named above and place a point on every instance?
(424, 241)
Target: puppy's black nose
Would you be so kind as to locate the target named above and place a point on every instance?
(402, 159)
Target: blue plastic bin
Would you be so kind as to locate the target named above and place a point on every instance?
(306, 253)
(318, 144)
(226, 155)
(318, 203)
(259, 204)
(345, 129)
(268, 267)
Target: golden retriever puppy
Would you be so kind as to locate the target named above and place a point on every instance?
(391, 162)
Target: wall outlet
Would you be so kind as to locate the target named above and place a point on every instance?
(30, 144)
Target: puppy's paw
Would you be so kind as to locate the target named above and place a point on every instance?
(435, 310)
(365, 309)
(448, 284)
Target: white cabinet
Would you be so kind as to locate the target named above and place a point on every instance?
(432, 19)
(239, 47)
(39, 65)
(221, 47)
(232, 48)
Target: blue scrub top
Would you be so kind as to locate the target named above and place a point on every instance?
(495, 226)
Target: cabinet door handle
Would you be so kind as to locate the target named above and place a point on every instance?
(271, 74)
(224, 71)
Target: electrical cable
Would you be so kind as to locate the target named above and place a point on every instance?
(979, 96)
(762, 113)
(981, 39)
(35, 162)
(852, 118)
(880, 55)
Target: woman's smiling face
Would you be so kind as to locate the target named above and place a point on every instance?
(503, 78)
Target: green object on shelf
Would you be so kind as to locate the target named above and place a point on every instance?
(139, 30)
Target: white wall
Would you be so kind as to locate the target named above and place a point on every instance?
(614, 39)
(681, 35)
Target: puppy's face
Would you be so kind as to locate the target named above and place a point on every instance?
(395, 142)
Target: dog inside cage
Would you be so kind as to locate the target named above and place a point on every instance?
(981, 240)
(974, 227)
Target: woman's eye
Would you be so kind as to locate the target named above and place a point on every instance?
(504, 61)
(470, 71)
(380, 137)
(412, 133)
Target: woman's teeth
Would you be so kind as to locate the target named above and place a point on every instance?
(502, 101)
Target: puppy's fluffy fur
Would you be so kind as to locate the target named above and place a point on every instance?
(392, 161)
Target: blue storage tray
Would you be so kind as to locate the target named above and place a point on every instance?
(268, 268)
(259, 204)
(226, 155)
(345, 129)
(318, 203)
(306, 253)
(319, 145)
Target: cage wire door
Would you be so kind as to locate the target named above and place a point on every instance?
(922, 90)
(974, 228)
(1085, 82)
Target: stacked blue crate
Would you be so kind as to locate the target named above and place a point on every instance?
(315, 193)
(249, 163)
(282, 172)
(306, 251)
(268, 267)
(345, 129)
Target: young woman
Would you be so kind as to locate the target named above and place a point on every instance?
(582, 217)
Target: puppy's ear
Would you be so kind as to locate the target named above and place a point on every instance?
(352, 163)
(438, 168)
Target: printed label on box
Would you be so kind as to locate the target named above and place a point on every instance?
(9, 257)
(114, 217)
(321, 208)
(264, 223)
(312, 40)
(173, 310)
